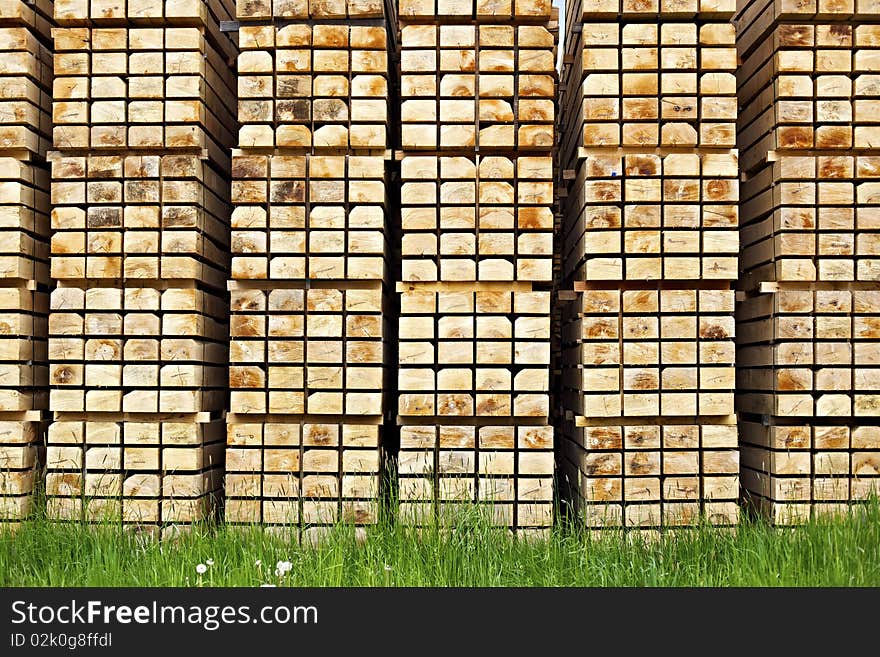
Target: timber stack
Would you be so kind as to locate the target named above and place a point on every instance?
(143, 122)
(478, 84)
(25, 112)
(648, 249)
(809, 320)
(310, 267)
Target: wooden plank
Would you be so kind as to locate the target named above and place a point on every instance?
(793, 201)
(506, 470)
(317, 217)
(457, 354)
(485, 219)
(144, 473)
(316, 351)
(302, 473)
(625, 474)
(638, 217)
(178, 230)
(644, 352)
(613, 96)
(262, 10)
(492, 88)
(320, 88)
(308, 345)
(519, 11)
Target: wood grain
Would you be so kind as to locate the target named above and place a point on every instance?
(25, 114)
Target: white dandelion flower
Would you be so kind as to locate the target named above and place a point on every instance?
(201, 569)
(210, 562)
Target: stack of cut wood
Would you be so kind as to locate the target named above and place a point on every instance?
(649, 245)
(477, 112)
(138, 323)
(809, 321)
(308, 284)
(25, 87)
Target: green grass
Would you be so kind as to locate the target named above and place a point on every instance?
(841, 552)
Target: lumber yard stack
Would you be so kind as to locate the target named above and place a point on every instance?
(144, 118)
(477, 111)
(809, 319)
(648, 255)
(310, 272)
(25, 112)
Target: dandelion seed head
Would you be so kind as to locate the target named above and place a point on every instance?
(210, 562)
(201, 569)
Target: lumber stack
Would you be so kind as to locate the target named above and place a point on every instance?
(477, 130)
(310, 267)
(648, 254)
(25, 88)
(144, 116)
(807, 324)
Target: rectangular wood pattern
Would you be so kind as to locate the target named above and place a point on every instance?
(648, 251)
(477, 109)
(143, 119)
(311, 261)
(25, 113)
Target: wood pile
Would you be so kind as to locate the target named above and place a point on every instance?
(25, 111)
(143, 118)
(200, 212)
(648, 253)
(808, 386)
(310, 267)
(477, 113)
